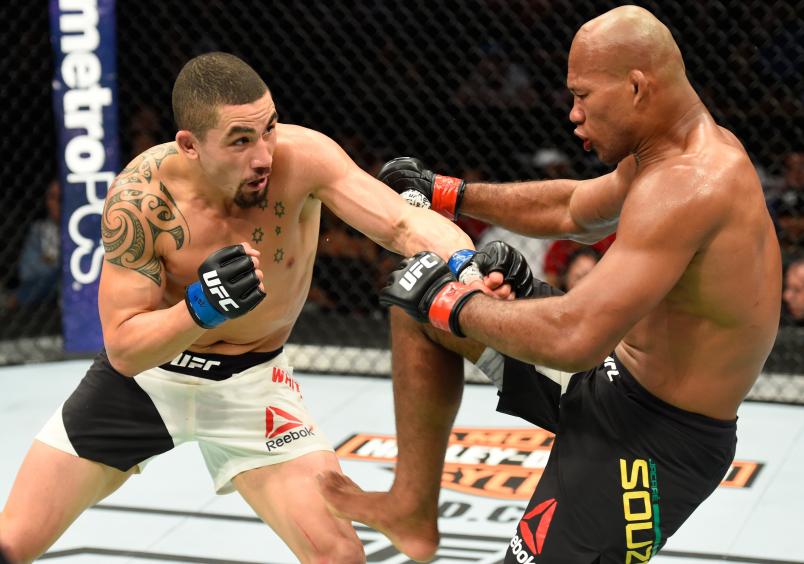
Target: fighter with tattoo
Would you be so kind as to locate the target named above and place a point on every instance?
(209, 247)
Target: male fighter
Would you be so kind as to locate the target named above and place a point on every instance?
(640, 369)
(209, 249)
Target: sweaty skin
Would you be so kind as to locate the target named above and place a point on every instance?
(164, 195)
(688, 295)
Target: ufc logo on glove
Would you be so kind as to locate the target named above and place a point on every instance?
(214, 284)
(414, 272)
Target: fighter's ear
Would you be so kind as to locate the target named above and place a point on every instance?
(639, 86)
(187, 143)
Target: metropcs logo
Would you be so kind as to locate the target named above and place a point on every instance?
(282, 433)
(504, 463)
(83, 91)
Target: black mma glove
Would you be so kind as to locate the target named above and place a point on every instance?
(228, 287)
(423, 188)
(426, 289)
(498, 256)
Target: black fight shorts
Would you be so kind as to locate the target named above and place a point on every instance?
(625, 471)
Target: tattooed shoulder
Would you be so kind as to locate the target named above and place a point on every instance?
(141, 169)
(133, 219)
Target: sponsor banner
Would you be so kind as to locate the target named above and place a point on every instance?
(498, 462)
(85, 109)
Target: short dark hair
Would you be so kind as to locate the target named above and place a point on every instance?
(209, 81)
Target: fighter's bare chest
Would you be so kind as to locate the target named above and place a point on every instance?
(273, 228)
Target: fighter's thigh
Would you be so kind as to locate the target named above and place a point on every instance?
(402, 323)
(287, 498)
(51, 490)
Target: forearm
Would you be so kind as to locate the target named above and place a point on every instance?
(536, 331)
(535, 208)
(151, 338)
(424, 230)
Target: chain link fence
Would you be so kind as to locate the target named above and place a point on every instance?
(475, 88)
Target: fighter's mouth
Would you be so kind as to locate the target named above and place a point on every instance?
(258, 184)
(587, 144)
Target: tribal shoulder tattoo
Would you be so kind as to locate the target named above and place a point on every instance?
(134, 217)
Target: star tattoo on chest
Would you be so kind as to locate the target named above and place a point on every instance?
(256, 235)
(279, 255)
(279, 209)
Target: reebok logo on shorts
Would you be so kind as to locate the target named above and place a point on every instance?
(532, 531)
(287, 431)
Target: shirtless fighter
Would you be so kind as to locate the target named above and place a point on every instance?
(640, 368)
(210, 242)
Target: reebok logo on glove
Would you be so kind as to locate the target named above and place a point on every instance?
(214, 285)
(414, 272)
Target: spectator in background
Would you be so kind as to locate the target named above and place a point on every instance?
(793, 296)
(579, 263)
(39, 265)
(496, 82)
(789, 206)
(558, 255)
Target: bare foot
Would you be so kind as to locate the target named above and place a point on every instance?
(413, 534)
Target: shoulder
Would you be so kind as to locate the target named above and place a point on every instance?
(310, 153)
(140, 207)
(147, 168)
(714, 174)
(304, 143)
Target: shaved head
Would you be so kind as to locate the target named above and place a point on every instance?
(628, 81)
(628, 38)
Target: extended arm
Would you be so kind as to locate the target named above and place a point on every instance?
(584, 210)
(577, 330)
(372, 208)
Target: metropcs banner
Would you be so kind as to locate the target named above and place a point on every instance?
(85, 108)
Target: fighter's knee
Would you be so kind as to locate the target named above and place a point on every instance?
(18, 544)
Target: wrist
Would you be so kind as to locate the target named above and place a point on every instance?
(447, 195)
(462, 266)
(201, 310)
(446, 306)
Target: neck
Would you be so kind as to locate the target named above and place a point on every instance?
(673, 122)
(203, 191)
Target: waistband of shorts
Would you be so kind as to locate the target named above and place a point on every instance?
(689, 418)
(217, 366)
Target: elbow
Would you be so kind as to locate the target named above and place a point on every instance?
(120, 361)
(579, 352)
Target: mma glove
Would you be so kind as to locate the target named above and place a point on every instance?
(426, 289)
(498, 256)
(423, 188)
(228, 287)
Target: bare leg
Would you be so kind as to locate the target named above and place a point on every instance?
(51, 490)
(285, 497)
(428, 385)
